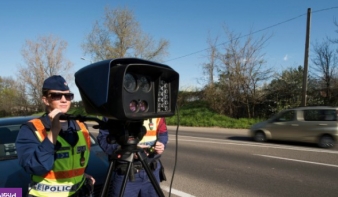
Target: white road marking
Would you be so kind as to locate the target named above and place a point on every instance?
(255, 144)
(176, 192)
(296, 160)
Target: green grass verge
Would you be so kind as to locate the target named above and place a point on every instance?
(202, 118)
(198, 115)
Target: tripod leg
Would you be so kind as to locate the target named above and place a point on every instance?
(105, 189)
(150, 174)
(123, 187)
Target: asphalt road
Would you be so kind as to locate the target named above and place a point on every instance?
(225, 162)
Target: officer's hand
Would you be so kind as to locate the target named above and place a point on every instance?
(92, 180)
(159, 147)
(145, 147)
(54, 119)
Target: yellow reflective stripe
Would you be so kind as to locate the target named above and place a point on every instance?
(148, 138)
(55, 189)
(63, 187)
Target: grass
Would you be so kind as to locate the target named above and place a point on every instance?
(200, 116)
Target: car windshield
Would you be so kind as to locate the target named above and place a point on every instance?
(8, 134)
(273, 116)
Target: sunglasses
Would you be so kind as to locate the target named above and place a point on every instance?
(58, 96)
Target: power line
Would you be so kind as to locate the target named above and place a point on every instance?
(269, 27)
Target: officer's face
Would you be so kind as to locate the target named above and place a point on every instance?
(58, 100)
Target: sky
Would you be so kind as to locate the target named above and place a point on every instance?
(186, 24)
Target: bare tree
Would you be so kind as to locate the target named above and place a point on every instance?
(243, 69)
(119, 36)
(325, 66)
(43, 58)
(211, 91)
(335, 40)
(210, 67)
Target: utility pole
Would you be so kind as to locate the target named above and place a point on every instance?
(306, 57)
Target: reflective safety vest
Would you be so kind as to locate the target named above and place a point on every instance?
(152, 128)
(67, 175)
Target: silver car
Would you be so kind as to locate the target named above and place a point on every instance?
(316, 124)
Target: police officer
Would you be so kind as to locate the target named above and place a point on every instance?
(55, 152)
(154, 143)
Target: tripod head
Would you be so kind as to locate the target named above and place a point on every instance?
(126, 133)
(123, 132)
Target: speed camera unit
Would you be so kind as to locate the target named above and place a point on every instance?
(128, 88)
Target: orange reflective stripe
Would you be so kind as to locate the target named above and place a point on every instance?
(40, 128)
(158, 122)
(64, 174)
(85, 132)
(86, 135)
(157, 125)
(151, 133)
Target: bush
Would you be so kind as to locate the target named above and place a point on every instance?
(200, 116)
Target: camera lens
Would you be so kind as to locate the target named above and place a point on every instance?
(133, 106)
(129, 82)
(144, 84)
(143, 105)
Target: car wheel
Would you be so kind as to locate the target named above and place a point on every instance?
(326, 141)
(259, 136)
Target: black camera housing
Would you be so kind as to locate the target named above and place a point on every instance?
(128, 89)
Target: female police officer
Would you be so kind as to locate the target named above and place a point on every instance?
(53, 151)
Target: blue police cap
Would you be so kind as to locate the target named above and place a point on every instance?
(55, 82)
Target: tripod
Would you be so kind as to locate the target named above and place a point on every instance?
(126, 154)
